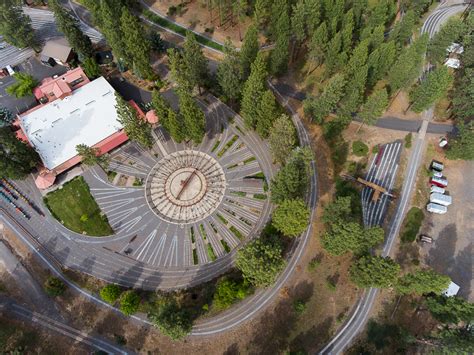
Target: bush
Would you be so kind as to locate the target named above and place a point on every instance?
(313, 264)
(359, 149)
(110, 293)
(171, 319)
(229, 291)
(291, 217)
(54, 286)
(408, 139)
(299, 306)
(129, 302)
(412, 224)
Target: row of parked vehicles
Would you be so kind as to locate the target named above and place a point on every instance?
(439, 200)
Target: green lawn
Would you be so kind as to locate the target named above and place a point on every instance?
(412, 224)
(74, 206)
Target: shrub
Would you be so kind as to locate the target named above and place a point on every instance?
(129, 302)
(408, 139)
(412, 224)
(313, 264)
(110, 293)
(229, 291)
(359, 149)
(54, 286)
(299, 306)
(171, 319)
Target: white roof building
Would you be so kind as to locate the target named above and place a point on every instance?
(452, 290)
(453, 63)
(87, 116)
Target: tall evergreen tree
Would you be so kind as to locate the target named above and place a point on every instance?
(449, 33)
(299, 21)
(91, 156)
(407, 66)
(194, 121)
(15, 26)
(313, 15)
(374, 271)
(376, 38)
(318, 108)
(282, 138)
(230, 73)
(318, 45)
(403, 30)
(422, 282)
(249, 49)
(178, 69)
(347, 30)
(266, 114)
(159, 104)
(281, 32)
(336, 57)
(380, 61)
(17, 158)
(262, 11)
(136, 43)
(194, 61)
(431, 89)
(254, 89)
(462, 145)
(110, 13)
(69, 26)
(374, 106)
(174, 125)
(354, 93)
(136, 128)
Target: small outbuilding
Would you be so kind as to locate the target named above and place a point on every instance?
(57, 51)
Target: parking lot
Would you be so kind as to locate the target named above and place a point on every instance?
(34, 67)
(451, 251)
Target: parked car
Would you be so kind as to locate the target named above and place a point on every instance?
(425, 239)
(435, 208)
(441, 199)
(437, 189)
(437, 165)
(438, 174)
(441, 182)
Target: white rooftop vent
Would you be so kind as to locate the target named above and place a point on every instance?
(453, 63)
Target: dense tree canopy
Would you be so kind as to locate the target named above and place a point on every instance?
(15, 26)
(91, 156)
(137, 128)
(434, 87)
(374, 271)
(110, 293)
(292, 181)
(422, 282)
(450, 309)
(253, 91)
(260, 262)
(281, 32)
(110, 13)
(282, 138)
(266, 114)
(193, 119)
(249, 50)
(23, 86)
(374, 106)
(229, 291)
(173, 320)
(449, 33)
(69, 25)
(461, 146)
(16, 157)
(129, 302)
(230, 73)
(291, 217)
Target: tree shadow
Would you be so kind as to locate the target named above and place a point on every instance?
(317, 334)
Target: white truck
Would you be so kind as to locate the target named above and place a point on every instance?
(441, 199)
(435, 208)
(437, 189)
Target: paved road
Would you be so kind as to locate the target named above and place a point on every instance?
(344, 337)
(24, 313)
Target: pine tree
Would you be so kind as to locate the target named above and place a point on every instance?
(299, 21)
(380, 61)
(313, 15)
(449, 33)
(333, 13)
(253, 91)
(230, 73)
(159, 104)
(194, 121)
(374, 271)
(335, 56)
(318, 108)
(15, 26)
(91, 68)
(422, 282)
(281, 32)
(354, 93)
(249, 49)
(266, 114)
(194, 61)
(91, 156)
(262, 11)
(359, 7)
(23, 86)
(69, 26)
(136, 43)
(291, 217)
(376, 38)
(136, 128)
(178, 69)
(374, 106)
(462, 145)
(431, 89)
(282, 138)
(17, 158)
(408, 65)
(174, 125)
(403, 30)
(110, 13)
(318, 45)
(347, 30)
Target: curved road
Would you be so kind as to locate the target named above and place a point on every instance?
(357, 321)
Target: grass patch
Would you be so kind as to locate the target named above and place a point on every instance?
(75, 207)
(225, 246)
(260, 175)
(239, 193)
(181, 30)
(215, 146)
(359, 149)
(260, 196)
(313, 264)
(195, 257)
(375, 149)
(233, 166)
(111, 175)
(221, 217)
(412, 224)
(236, 232)
(330, 285)
(193, 239)
(408, 140)
(227, 146)
(203, 231)
(249, 160)
(138, 182)
(210, 252)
